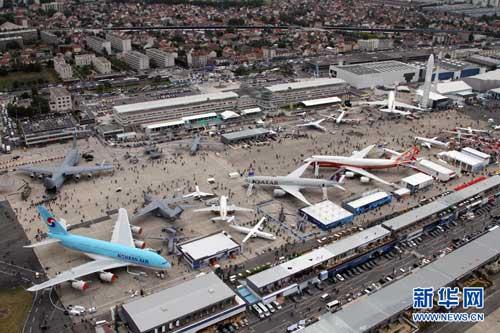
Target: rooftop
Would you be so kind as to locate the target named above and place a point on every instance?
(208, 246)
(326, 212)
(321, 101)
(367, 199)
(378, 67)
(452, 87)
(305, 84)
(178, 301)
(248, 133)
(417, 179)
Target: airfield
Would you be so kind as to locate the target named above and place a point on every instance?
(174, 175)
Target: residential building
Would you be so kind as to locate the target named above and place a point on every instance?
(49, 38)
(119, 43)
(375, 44)
(84, 59)
(161, 58)
(60, 99)
(28, 35)
(137, 60)
(6, 42)
(98, 44)
(102, 65)
(62, 68)
(52, 6)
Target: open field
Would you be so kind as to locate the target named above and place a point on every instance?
(14, 306)
(27, 79)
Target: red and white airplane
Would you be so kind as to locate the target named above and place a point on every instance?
(358, 163)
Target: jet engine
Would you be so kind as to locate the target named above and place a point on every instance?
(32, 175)
(139, 244)
(89, 175)
(79, 285)
(40, 176)
(107, 277)
(278, 193)
(77, 176)
(136, 230)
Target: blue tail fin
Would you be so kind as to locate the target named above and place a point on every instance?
(48, 218)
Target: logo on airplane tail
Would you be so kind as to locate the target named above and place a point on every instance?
(51, 222)
(409, 155)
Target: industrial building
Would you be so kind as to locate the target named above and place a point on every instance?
(119, 43)
(382, 73)
(189, 307)
(374, 311)
(98, 44)
(137, 60)
(326, 215)
(417, 182)
(320, 102)
(248, 134)
(436, 170)
(48, 129)
(286, 94)
(368, 202)
(297, 274)
(464, 161)
(209, 250)
(173, 109)
(449, 69)
(485, 81)
(477, 154)
(28, 35)
(454, 88)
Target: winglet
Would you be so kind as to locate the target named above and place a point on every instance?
(48, 218)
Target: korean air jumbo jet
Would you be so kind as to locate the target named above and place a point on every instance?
(119, 252)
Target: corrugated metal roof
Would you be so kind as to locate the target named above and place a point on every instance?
(248, 133)
(453, 87)
(175, 302)
(305, 84)
(370, 311)
(368, 199)
(208, 246)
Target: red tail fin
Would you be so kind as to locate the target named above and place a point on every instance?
(409, 156)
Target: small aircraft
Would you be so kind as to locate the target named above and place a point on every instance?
(470, 130)
(54, 176)
(197, 194)
(390, 105)
(314, 124)
(223, 209)
(429, 142)
(121, 251)
(166, 208)
(292, 183)
(358, 163)
(341, 118)
(255, 231)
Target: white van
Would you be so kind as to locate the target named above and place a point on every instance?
(325, 296)
(264, 309)
(258, 311)
(333, 305)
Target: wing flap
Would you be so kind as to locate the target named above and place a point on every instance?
(363, 152)
(233, 208)
(295, 191)
(39, 170)
(365, 173)
(43, 243)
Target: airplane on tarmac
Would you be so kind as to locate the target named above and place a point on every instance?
(340, 118)
(429, 142)
(358, 163)
(255, 231)
(166, 208)
(121, 251)
(223, 208)
(390, 105)
(54, 176)
(198, 142)
(314, 124)
(470, 130)
(292, 183)
(197, 194)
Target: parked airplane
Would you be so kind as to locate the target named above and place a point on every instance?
(166, 208)
(470, 130)
(223, 209)
(292, 183)
(314, 124)
(341, 118)
(357, 162)
(198, 194)
(198, 143)
(391, 105)
(255, 231)
(429, 142)
(121, 251)
(54, 176)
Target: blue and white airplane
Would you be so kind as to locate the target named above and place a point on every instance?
(119, 252)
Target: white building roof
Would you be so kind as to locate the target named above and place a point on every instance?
(229, 114)
(476, 153)
(367, 199)
(453, 87)
(417, 179)
(305, 84)
(322, 101)
(433, 96)
(496, 90)
(172, 102)
(436, 167)
(199, 116)
(491, 75)
(327, 212)
(463, 158)
(208, 246)
(164, 124)
(250, 111)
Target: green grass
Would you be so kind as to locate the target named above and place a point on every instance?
(14, 306)
(27, 80)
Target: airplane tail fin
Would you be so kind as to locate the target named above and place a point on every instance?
(74, 139)
(55, 226)
(409, 155)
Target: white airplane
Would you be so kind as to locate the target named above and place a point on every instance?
(429, 142)
(314, 124)
(358, 163)
(391, 105)
(223, 208)
(198, 194)
(253, 232)
(470, 130)
(340, 118)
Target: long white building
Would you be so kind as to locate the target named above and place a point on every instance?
(137, 60)
(174, 108)
(119, 43)
(98, 44)
(161, 59)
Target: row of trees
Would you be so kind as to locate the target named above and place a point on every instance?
(39, 105)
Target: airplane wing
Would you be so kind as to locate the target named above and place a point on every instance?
(121, 232)
(233, 208)
(254, 229)
(407, 106)
(40, 170)
(365, 173)
(79, 271)
(208, 209)
(295, 191)
(87, 169)
(426, 145)
(378, 103)
(299, 171)
(43, 243)
(403, 113)
(363, 152)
